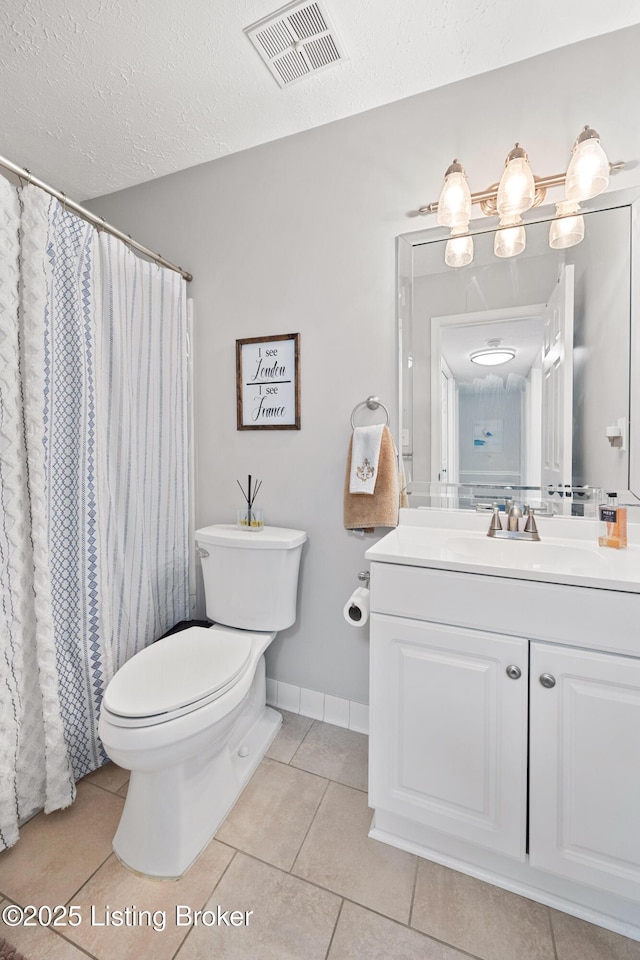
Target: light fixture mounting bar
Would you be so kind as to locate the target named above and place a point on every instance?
(487, 198)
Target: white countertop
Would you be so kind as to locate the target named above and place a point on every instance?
(568, 550)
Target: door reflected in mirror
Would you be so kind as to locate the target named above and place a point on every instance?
(513, 371)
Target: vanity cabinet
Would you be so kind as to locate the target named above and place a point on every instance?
(585, 767)
(448, 735)
(503, 742)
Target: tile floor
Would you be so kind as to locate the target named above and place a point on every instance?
(294, 850)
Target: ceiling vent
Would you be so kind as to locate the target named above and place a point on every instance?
(297, 40)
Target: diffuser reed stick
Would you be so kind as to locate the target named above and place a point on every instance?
(250, 495)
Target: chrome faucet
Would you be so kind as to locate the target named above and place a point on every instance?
(514, 515)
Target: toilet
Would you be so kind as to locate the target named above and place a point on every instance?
(188, 715)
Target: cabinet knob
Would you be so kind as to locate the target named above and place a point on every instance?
(547, 680)
(514, 672)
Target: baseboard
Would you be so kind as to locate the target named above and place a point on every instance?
(320, 706)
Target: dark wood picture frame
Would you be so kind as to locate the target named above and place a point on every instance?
(262, 364)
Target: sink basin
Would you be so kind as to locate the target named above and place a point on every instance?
(567, 552)
(580, 559)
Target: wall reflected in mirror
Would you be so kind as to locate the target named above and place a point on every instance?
(543, 416)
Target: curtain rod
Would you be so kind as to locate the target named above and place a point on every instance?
(99, 222)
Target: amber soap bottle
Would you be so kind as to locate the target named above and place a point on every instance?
(613, 523)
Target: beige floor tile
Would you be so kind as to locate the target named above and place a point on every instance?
(109, 777)
(578, 940)
(116, 887)
(485, 920)
(335, 753)
(338, 854)
(362, 934)
(271, 818)
(39, 943)
(123, 791)
(57, 852)
(290, 736)
(291, 919)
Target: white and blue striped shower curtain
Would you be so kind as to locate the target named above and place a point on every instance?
(97, 388)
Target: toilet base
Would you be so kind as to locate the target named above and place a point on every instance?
(170, 815)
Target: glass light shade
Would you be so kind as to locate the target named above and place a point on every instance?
(454, 205)
(493, 356)
(517, 189)
(588, 172)
(568, 230)
(459, 250)
(511, 240)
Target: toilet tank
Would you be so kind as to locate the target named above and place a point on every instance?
(250, 578)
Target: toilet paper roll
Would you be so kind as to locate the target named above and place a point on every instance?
(356, 609)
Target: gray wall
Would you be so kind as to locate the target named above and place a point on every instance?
(298, 236)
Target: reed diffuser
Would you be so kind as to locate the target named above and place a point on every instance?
(251, 518)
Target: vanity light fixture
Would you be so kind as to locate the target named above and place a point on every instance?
(454, 205)
(493, 354)
(588, 172)
(519, 190)
(566, 228)
(459, 249)
(454, 210)
(511, 239)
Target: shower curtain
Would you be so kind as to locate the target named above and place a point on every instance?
(93, 486)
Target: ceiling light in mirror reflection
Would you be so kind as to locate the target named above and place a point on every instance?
(493, 354)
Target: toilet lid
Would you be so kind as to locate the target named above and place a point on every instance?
(179, 671)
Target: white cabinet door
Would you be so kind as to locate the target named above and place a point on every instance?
(585, 767)
(448, 738)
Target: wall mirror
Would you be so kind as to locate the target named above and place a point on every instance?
(557, 413)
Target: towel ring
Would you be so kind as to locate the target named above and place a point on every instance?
(372, 403)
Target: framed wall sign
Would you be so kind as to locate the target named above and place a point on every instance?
(268, 382)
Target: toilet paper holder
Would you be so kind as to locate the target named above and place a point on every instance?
(356, 609)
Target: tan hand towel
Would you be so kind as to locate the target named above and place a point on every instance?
(380, 509)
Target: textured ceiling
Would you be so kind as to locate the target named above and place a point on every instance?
(103, 94)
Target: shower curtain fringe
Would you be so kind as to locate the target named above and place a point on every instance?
(99, 222)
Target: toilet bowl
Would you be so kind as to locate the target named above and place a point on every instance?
(187, 715)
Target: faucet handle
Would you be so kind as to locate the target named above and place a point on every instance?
(530, 525)
(496, 523)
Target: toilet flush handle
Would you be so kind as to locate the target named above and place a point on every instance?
(202, 553)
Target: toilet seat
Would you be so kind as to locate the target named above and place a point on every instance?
(177, 675)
